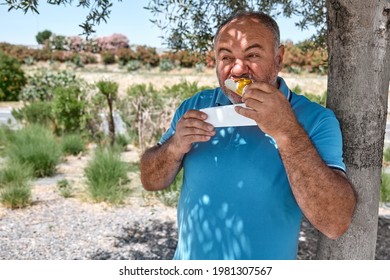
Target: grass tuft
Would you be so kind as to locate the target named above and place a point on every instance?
(107, 176)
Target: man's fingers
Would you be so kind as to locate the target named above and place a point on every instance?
(194, 114)
(197, 131)
(246, 112)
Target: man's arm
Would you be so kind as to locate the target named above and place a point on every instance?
(325, 196)
(160, 164)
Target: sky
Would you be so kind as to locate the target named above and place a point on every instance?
(127, 17)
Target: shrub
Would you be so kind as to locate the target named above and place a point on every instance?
(75, 43)
(106, 176)
(125, 55)
(69, 107)
(41, 84)
(17, 51)
(108, 57)
(133, 65)
(16, 196)
(147, 55)
(15, 173)
(166, 65)
(36, 146)
(64, 188)
(15, 191)
(58, 42)
(12, 78)
(72, 144)
(113, 42)
(39, 112)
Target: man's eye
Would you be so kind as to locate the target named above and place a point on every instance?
(226, 58)
(253, 56)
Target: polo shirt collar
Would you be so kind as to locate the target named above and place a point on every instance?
(222, 99)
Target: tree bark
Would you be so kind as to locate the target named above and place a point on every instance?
(358, 84)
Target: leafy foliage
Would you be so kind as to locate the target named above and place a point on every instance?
(43, 36)
(39, 112)
(12, 78)
(69, 107)
(41, 84)
(99, 10)
(110, 90)
(15, 189)
(192, 24)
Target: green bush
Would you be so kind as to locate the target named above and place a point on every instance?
(166, 65)
(36, 146)
(385, 188)
(39, 112)
(69, 106)
(15, 190)
(133, 65)
(41, 84)
(72, 144)
(106, 176)
(108, 58)
(16, 196)
(12, 78)
(15, 173)
(64, 188)
(58, 42)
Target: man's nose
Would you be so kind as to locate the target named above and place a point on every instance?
(239, 68)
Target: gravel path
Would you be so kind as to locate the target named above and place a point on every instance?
(55, 228)
(58, 228)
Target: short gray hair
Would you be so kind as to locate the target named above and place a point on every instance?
(264, 19)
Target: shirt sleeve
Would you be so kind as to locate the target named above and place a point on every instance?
(327, 139)
(172, 128)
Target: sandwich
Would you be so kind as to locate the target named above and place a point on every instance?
(238, 85)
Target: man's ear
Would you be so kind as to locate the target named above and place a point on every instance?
(279, 57)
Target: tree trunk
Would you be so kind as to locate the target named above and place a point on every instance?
(358, 84)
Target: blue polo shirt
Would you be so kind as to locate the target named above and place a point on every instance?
(236, 201)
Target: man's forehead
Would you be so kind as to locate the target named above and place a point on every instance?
(245, 35)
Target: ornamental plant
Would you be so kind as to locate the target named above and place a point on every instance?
(37, 147)
(107, 176)
(12, 78)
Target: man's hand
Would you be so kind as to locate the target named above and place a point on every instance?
(191, 128)
(269, 108)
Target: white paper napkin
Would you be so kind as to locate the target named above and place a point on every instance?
(226, 116)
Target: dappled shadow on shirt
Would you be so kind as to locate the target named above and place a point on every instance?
(157, 241)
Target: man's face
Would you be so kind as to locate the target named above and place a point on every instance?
(246, 48)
